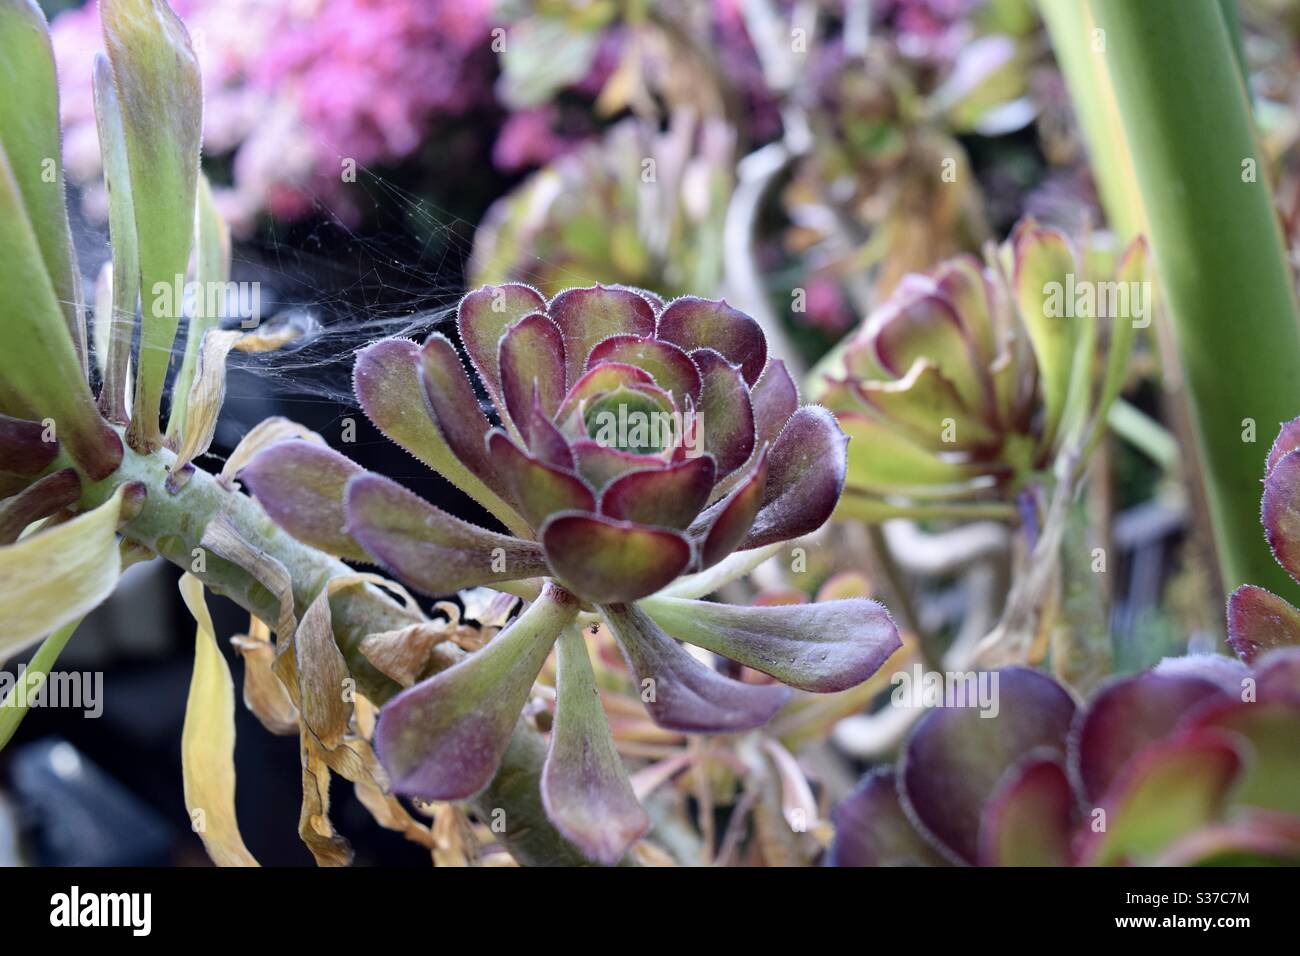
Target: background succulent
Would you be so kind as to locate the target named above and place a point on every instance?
(638, 207)
(1194, 761)
(1187, 763)
(970, 380)
(595, 522)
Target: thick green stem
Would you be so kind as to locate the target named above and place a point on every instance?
(1218, 248)
(173, 524)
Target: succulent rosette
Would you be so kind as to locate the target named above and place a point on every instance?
(970, 380)
(639, 207)
(602, 516)
(1192, 762)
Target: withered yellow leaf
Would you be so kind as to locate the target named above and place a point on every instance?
(55, 576)
(208, 741)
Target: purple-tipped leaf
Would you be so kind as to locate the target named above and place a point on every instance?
(607, 377)
(585, 786)
(300, 484)
(805, 475)
(537, 489)
(1259, 620)
(871, 828)
(680, 692)
(600, 464)
(955, 757)
(670, 497)
(927, 327)
(588, 316)
(482, 319)
(1281, 511)
(386, 380)
(610, 561)
(725, 417)
(426, 547)
(544, 440)
(726, 522)
(1127, 715)
(456, 410)
(1172, 789)
(824, 647)
(44, 498)
(669, 366)
(1287, 441)
(775, 398)
(23, 448)
(444, 738)
(695, 323)
(1270, 727)
(531, 361)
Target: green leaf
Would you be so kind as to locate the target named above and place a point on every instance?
(212, 265)
(40, 375)
(584, 784)
(126, 251)
(29, 133)
(1045, 269)
(156, 74)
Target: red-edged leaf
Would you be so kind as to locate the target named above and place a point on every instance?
(588, 316)
(1281, 511)
(456, 410)
(1127, 715)
(695, 323)
(1287, 441)
(1172, 789)
(775, 398)
(1259, 620)
(670, 497)
(599, 464)
(1028, 820)
(805, 475)
(725, 414)
(871, 828)
(482, 319)
(724, 525)
(955, 757)
(609, 561)
(531, 361)
(538, 490)
(669, 366)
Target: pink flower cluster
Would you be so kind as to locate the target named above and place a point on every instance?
(294, 88)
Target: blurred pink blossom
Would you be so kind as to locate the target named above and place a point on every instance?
(293, 88)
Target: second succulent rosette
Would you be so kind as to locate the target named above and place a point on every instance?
(630, 443)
